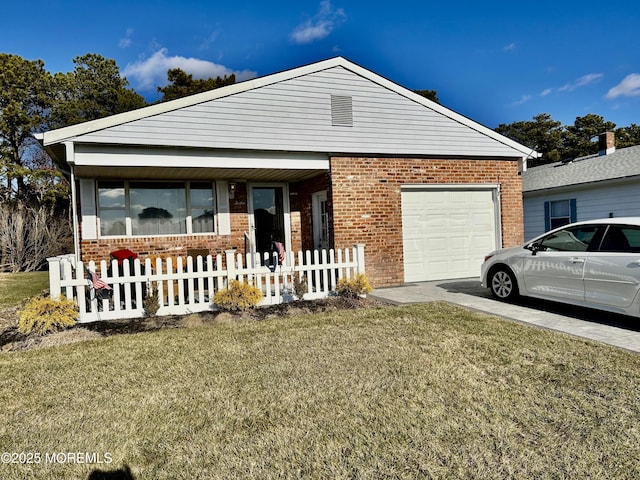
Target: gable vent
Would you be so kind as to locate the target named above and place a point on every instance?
(341, 110)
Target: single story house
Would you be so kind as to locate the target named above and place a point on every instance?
(324, 155)
(603, 185)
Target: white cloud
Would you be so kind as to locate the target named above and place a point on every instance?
(523, 99)
(581, 82)
(509, 48)
(208, 41)
(125, 42)
(149, 73)
(588, 79)
(320, 26)
(629, 87)
(570, 87)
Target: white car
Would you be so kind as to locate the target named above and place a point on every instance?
(593, 264)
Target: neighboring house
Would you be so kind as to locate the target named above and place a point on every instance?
(606, 184)
(324, 155)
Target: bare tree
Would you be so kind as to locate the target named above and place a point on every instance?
(31, 234)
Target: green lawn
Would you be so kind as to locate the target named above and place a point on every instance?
(15, 287)
(429, 391)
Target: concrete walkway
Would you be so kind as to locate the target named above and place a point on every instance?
(618, 330)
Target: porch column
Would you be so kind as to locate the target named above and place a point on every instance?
(71, 160)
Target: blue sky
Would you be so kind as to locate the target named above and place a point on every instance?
(495, 62)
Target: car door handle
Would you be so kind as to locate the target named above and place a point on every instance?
(576, 260)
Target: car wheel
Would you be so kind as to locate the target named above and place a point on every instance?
(503, 284)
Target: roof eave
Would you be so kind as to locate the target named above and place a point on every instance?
(581, 185)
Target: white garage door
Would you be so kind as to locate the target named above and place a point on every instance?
(446, 233)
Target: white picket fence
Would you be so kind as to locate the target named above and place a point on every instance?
(186, 284)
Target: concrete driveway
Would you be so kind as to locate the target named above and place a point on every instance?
(618, 330)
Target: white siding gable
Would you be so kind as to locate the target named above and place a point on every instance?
(295, 115)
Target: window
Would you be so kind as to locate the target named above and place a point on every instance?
(559, 213)
(621, 238)
(155, 208)
(572, 239)
(158, 208)
(111, 202)
(201, 207)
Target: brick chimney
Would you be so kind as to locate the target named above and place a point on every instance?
(606, 143)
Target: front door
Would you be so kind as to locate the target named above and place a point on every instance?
(269, 215)
(320, 220)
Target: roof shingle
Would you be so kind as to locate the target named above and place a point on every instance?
(592, 168)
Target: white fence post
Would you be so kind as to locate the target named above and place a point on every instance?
(231, 265)
(55, 288)
(360, 257)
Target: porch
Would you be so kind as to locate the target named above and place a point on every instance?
(187, 284)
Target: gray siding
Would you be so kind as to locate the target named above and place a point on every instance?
(621, 200)
(295, 115)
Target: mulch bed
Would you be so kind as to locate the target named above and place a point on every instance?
(12, 340)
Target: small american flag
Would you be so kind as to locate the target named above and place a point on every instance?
(98, 283)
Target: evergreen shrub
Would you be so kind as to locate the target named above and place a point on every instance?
(238, 297)
(354, 287)
(42, 315)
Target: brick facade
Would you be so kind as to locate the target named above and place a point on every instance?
(366, 203)
(364, 206)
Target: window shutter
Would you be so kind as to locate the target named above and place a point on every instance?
(574, 210)
(547, 216)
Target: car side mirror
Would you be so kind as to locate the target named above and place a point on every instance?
(535, 248)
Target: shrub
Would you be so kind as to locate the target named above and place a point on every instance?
(238, 297)
(353, 287)
(42, 315)
(150, 302)
(300, 286)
